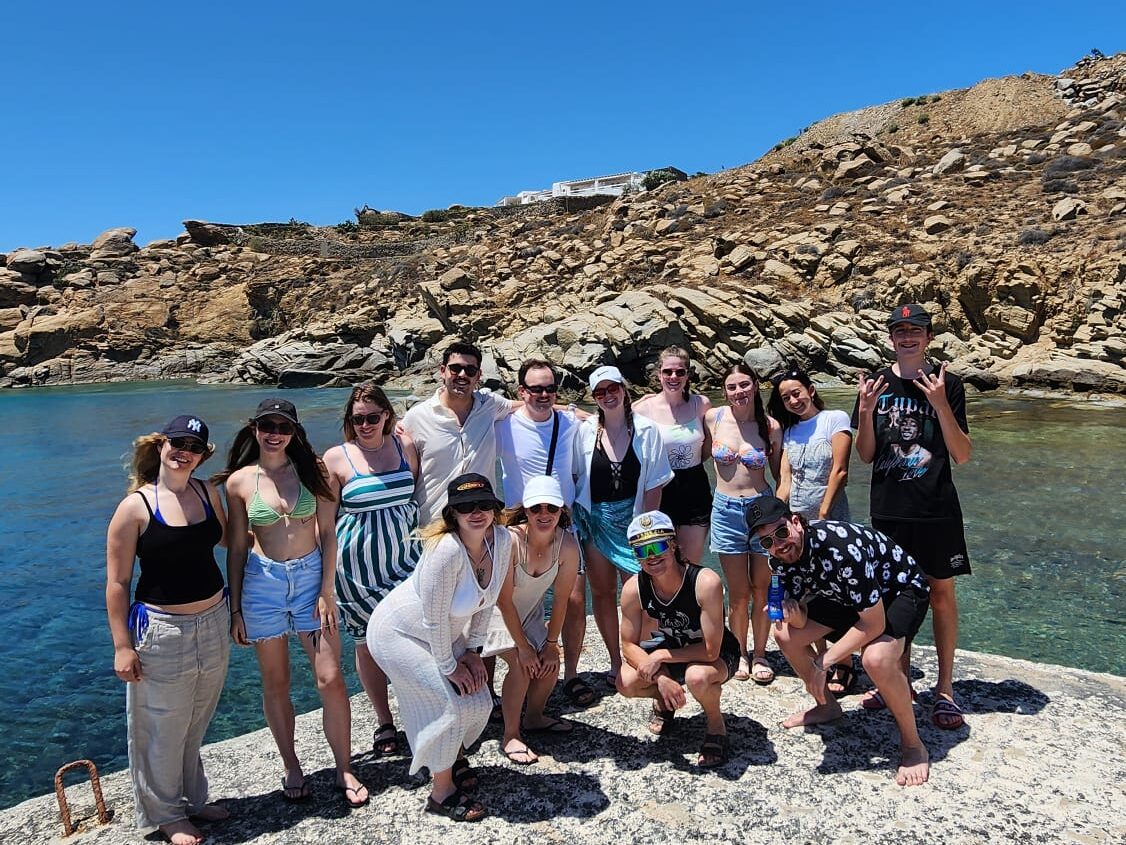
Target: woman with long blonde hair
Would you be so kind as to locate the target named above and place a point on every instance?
(170, 644)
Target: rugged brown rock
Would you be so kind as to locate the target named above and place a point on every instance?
(1002, 206)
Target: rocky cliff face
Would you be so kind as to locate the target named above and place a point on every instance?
(1002, 206)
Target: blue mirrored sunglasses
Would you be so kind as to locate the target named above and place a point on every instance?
(654, 548)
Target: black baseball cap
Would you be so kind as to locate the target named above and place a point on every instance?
(912, 313)
(276, 407)
(471, 487)
(186, 425)
(765, 510)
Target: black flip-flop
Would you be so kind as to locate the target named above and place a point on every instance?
(347, 791)
(304, 793)
(555, 726)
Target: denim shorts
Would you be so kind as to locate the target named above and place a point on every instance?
(730, 535)
(280, 596)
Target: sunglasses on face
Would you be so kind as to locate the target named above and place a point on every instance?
(542, 507)
(466, 508)
(367, 419)
(540, 389)
(602, 392)
(187, 444)
(779, 533)
(270, 427)
(470, 370)
(676, 372)
(654, 548)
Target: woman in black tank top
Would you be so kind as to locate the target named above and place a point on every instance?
(171, 643)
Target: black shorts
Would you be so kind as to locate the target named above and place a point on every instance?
(903, 615)
(939, 547)
(729, 653)
(687, 499)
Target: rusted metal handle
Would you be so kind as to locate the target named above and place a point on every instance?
(60, 793)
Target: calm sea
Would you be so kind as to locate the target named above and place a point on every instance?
(1042, 497)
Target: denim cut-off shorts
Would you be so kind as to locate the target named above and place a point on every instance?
(729, 532)
(280, 596)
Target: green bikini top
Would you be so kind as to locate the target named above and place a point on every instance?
(259, 513)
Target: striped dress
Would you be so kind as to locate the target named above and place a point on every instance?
(376, 545)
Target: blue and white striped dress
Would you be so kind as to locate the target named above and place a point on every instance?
(375, 540)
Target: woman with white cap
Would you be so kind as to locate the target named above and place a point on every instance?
(621, 465)
(546, 555)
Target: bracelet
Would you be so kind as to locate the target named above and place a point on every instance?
(552, 642)
(236, 610)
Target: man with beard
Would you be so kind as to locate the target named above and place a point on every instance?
(453, 429)
(858, 589)
(910, 421)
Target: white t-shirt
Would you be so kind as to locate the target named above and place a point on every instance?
(447, 449)
(809, 449)
(523, 444)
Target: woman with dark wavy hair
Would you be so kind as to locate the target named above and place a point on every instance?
(745, 441)
(373, 472)
(278, 494)
(170, 644)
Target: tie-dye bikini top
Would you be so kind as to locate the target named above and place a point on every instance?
(750, 457)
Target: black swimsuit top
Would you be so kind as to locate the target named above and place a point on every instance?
(678, 619)
(178, 561)
(613, 481)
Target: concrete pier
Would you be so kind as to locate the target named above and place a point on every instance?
(1040, 760)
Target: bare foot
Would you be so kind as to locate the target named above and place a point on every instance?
(914, 766)
(211, 813)
(816, 715)
(182, 832)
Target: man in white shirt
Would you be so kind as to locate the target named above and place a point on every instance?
(539, 440)
(453, 430)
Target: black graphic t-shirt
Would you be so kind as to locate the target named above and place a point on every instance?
(849, 564)
(911, 471)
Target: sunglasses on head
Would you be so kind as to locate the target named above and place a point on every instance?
(677, 372)
(187, 444)
(271, 427)
(470, 370)
(466, 508)
(793, 373)
(779, 533)
(540, 389)
(541, 507)
(613, 389)
(654, 548)
(367, 419)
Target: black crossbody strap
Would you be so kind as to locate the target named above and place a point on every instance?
(554, 442)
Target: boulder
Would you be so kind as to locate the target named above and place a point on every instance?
(937, 223)
(456, 278)
(29, 263)
(765, 361)
(207, 234)
(1068, 209)
(779, 271)
(855, 168)
(15, 290)
(1072, 374)
(114, 243)
(953, 160)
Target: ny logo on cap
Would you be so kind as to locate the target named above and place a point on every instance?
(194, 424)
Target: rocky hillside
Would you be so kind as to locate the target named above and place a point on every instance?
(1002, 206)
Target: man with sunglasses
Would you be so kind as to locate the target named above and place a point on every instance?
(855, 587)
(537, 439)
(453, 429)
(691, 646)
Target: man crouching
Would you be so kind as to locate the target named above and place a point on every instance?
(857, 588)
(691, 646)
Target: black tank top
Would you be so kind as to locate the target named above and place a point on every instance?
(178, 561)
(678, 620)
(610, 481)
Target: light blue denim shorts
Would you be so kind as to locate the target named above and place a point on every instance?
(280, 596)
(729, 532)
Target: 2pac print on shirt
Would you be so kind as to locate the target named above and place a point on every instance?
(909, 427)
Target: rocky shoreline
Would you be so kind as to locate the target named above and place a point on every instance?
(1002, 207)
(1039, 761)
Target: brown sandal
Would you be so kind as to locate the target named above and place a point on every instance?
(458, 807)
(661, 722)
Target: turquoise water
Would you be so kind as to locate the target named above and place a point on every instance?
(1042, 499)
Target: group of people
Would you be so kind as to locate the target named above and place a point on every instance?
(397, 534)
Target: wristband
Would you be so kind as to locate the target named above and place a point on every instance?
(236, 610)
(552, 642)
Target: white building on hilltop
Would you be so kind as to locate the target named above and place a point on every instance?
(614, 185)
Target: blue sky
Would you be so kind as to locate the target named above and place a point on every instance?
(145, 114)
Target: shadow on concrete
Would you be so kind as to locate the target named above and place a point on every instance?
(526, 795)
